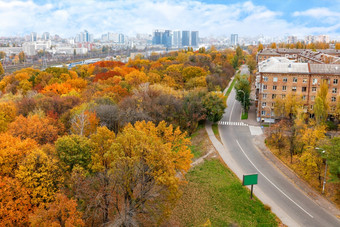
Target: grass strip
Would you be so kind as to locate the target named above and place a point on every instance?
(214, 194)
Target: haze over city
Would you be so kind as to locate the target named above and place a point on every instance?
(211, 18)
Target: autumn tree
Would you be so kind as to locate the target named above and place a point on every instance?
(260, 47)
(147, 160)
(288, 106)
(84, 123)
(7, 114)
(2, 71)
(276, 135)
(15, 203)
(22, 57)
(42, 175)
(321, 104)
(12, 151)
(41, 129)
(62, 212)
(273, 45)
(193, 111)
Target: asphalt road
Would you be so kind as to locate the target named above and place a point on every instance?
(295, 207)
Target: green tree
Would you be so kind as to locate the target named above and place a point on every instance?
(214, 105)
(243, 88)
(74, 150)
(332, 155)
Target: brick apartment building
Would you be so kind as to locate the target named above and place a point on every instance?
(279, 76)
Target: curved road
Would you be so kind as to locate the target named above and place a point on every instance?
(290, 204)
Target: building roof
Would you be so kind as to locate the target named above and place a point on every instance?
(282, 65)
(269, 52)
(325, 69)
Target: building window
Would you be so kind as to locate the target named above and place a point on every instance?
(274, 87)
(264, 104)
(313, 89)
(273, 104)
(335, 81)
(263, 112)
(315, 81)
(294, 80)
(283, 96)
(264, 87)
(333, 99)
(264, 96)
(334, 90)
(304, 97)
(293, 88)
(304, 89)
(265, 79)
(311, 107)
(312, 98)
(284, 79)
(284, 88)
(273, 96)
(275, 79)
(304, 80)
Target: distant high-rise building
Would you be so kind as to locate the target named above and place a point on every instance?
(157, 37)
(194, 38)
(45, 36)
(167, 38)
(309, 39)
(185, 38)
(176, 39)
(121, 38)
(292, 39)
(234, 39)
(33, 36)
(323, 38)
(84, 37)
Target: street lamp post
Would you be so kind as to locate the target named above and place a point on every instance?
(244, 99)
(324, 178)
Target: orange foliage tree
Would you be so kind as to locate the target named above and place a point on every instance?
(41, 130)
(15, 203)
(12, 152)
(61, 212)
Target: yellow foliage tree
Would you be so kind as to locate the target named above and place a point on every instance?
(12, 152)
(7, 114)
(42, 175)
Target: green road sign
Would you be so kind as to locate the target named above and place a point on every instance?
(250, 179)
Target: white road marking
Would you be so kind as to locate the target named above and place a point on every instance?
(255, 130)
(232, 123)
(272, 182)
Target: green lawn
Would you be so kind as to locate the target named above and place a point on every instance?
(244, 116)
(215, 129)
(230, 88)
(214, 193)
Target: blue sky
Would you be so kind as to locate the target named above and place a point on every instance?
(211, 18)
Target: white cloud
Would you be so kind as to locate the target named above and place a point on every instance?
(67, 17)
(317, 13)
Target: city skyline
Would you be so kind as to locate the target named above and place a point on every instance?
(211, 18)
